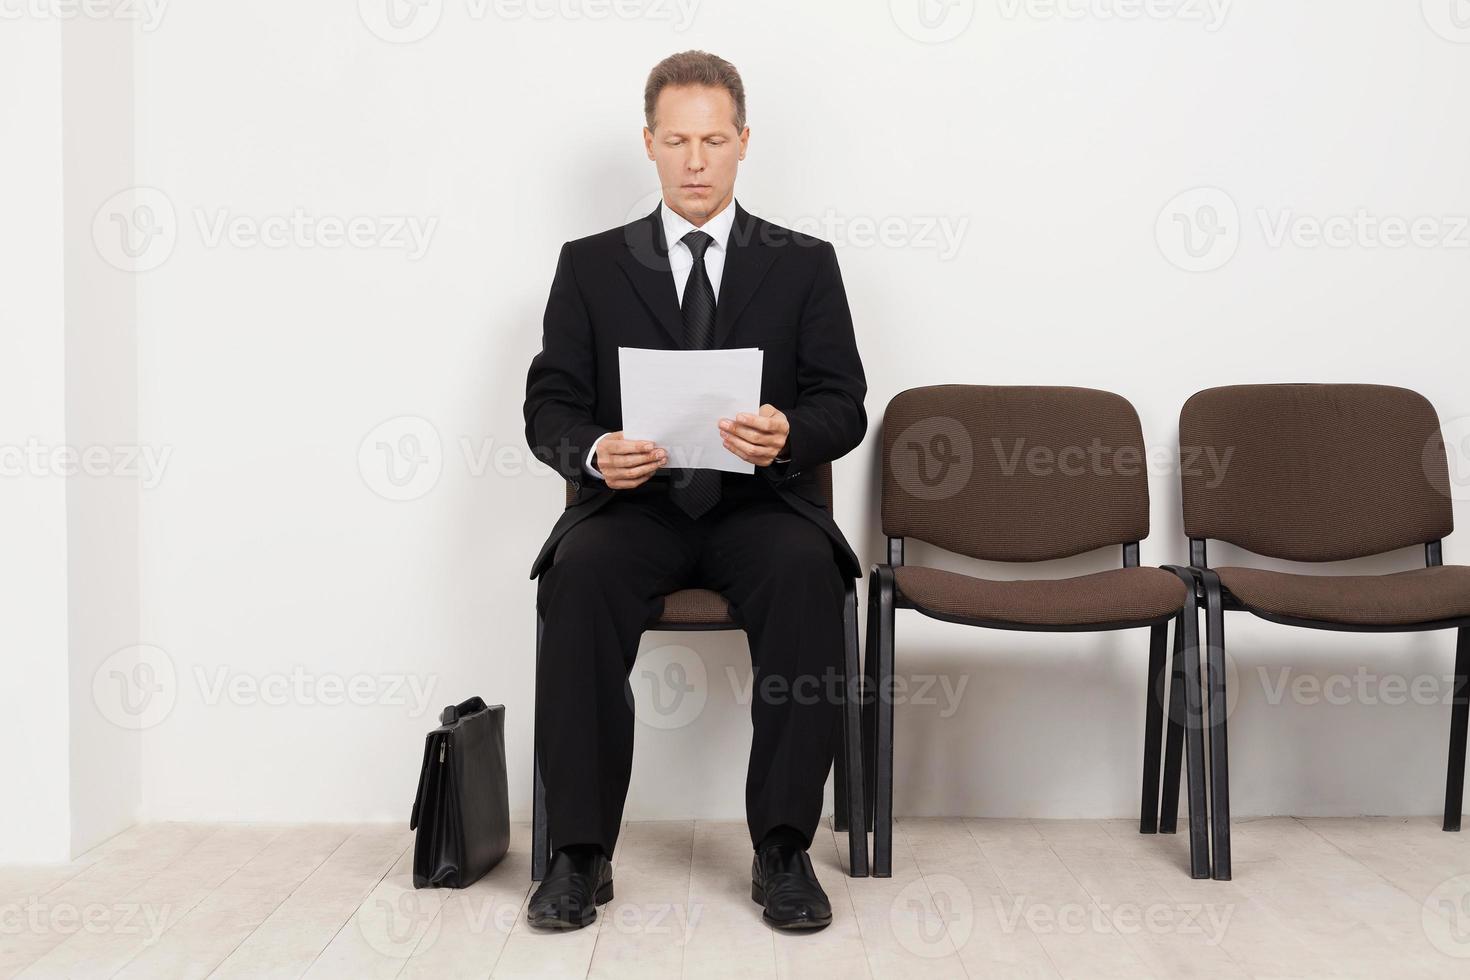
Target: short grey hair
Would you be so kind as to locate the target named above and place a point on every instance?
(694, 68)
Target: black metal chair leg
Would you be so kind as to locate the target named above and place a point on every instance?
(839, 761)
(880, 628)
(1219, 739)
(1194, 752)
(839, 782)
(848, 791)
(1454, 786)
(869, 712)
(1153, 729)
(540, 838)
(1174, 749)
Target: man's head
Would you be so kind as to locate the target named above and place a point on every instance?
(694, 108)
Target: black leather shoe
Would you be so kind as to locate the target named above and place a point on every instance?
(783, 881)
(571, 891)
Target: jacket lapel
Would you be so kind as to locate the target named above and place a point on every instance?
(746, 260)
(646, 263)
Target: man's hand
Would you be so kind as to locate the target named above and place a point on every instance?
(756, 439)
(627, 463)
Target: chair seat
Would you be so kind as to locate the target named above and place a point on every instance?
(688, 608)
(1120, 595)
(1423, 595)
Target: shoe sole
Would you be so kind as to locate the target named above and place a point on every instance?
(758, 896)
(602, 896)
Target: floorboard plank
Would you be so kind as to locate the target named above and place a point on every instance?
(295, 933)
(212, 930)
(156, 905)
(730, 941)
(1317, 897)
(45, 921)
(474, 923)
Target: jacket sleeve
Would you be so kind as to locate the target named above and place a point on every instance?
(828, 419)
(561, 385)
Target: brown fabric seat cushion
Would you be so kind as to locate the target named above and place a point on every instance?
(1422, 595)
(1120, 595)
(695, 607)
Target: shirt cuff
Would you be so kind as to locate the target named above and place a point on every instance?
(592, 454)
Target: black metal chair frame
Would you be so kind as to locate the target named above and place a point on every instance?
(848, 807)
(1217, 600)
(1185, 728)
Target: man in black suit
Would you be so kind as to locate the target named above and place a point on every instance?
(698, 272)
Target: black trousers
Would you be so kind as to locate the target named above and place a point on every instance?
(606, 584)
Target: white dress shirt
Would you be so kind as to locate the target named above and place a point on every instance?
(681, 261)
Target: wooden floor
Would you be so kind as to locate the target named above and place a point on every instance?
(968, 898)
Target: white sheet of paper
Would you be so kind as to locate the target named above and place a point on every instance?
(676, 398)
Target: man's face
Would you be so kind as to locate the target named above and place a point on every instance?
(696, 149)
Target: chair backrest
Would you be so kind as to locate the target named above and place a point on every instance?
(1313, 472)
(1020, 473)
(823, 474)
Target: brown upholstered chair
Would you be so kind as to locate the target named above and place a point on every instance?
(1313, 473)
(707, 610)
(1025, 474)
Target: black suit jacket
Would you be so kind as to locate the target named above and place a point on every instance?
(781, 291)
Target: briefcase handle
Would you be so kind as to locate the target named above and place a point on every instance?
(454, 712)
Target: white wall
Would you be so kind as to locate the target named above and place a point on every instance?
(33, 565)
(68, 415)
(272, 554)
(101, 407)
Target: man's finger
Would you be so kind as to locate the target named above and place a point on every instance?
(740, 445)
(633, 472)
(625, 460)
(621, 447)
(756, 436)
(766, 423)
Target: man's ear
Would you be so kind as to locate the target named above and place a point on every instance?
(648, 142)
(744, 141)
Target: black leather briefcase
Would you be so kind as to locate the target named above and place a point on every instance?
(461, 813)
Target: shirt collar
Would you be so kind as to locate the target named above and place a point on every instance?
(718, 227)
